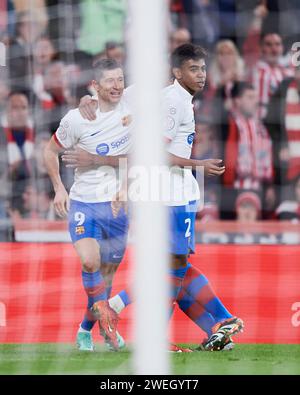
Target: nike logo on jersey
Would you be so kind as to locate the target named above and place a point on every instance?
(94, 134)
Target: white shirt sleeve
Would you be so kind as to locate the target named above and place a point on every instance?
(68, 131)
(173, 118)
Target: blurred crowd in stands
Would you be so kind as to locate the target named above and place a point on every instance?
(248, 114)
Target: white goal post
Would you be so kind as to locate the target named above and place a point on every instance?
(147, 58)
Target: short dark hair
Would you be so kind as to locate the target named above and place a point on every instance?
(185, 52)
(268, 33)
(104, 64)
(112, 45)
(239, 88)
(20, 16)
(22, 92)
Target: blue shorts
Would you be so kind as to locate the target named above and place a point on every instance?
(182, 228)
(95, 220)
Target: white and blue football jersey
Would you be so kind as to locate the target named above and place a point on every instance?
(109, 134)
(180, 132)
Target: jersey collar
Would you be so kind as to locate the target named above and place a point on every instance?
(183, 92)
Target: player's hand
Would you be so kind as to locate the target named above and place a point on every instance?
(213, 167)
(261, 11)
(87, 107)
(119, 201)
(61, 202)
(116, 207)
(78, 158)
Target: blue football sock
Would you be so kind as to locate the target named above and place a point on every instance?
(196, 312)
(95, 288)
(177, 276)
(199, 288)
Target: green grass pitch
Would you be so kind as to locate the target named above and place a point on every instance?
(51, 358)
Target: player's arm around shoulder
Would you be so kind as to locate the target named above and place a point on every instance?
(87, 107)
(76, 157)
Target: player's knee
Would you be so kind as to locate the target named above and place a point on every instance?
(179, 261)
(90, 263)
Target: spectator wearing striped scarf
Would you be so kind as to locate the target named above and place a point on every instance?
(248, 147)
(16, 147)
(18, 131)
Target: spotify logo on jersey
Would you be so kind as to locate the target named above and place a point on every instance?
(102, 149)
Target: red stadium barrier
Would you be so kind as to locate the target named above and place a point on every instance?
(42, 300)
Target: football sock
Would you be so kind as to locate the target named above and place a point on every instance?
(196, 312)
(120, 301)
(81, 330)
(95, 289)
(176, 277)
(198, 287)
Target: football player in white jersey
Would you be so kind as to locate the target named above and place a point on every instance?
(193, 293)
(98, 237)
